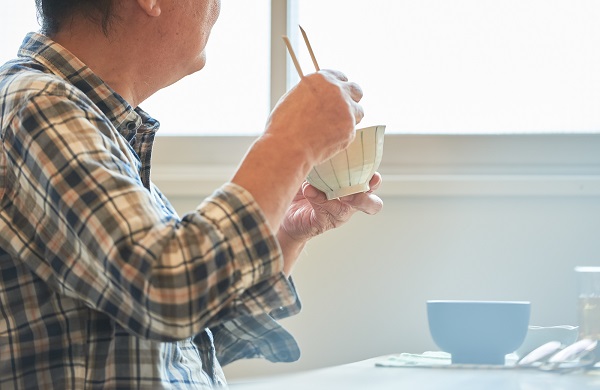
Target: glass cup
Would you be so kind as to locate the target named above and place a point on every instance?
(588, 280)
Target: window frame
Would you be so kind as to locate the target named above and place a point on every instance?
(547, 164)
(413, 164)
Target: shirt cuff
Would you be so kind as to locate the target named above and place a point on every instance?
(248, 336)
(248, 327)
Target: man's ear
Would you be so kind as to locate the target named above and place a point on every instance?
(151, 7)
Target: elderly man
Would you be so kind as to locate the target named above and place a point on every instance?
(102, 285)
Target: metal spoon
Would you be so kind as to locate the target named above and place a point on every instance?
(540, 353)
(572, 357)
(552, 356)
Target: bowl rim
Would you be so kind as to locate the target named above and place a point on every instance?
(369, 127)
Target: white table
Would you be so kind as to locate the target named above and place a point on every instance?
(365, 376)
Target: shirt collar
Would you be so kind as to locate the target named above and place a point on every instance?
(64, 64)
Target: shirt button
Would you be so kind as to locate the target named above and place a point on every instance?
(131, 125)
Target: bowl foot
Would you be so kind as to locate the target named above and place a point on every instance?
(478, 359)
(355, 189)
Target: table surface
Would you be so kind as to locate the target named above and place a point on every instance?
(365, 375)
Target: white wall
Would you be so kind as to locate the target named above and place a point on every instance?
(501, 236)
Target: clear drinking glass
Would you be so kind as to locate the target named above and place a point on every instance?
(588, 279)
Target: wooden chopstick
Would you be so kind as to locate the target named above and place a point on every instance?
(310, 50)
(293, 55)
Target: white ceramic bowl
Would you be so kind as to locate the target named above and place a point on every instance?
(349, 171)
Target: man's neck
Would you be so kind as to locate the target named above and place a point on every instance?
(110, 59)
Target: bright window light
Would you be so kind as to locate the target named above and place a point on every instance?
(14, 24)
(464, 66)
(426, 66)
(230, 96)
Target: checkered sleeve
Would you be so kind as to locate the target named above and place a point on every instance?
(245, 331)
(103, 239)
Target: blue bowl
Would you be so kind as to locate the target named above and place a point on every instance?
(478, 332)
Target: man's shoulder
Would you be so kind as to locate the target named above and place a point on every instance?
(25, 84)
(21, 79)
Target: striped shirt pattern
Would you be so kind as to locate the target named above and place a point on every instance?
(102, 284)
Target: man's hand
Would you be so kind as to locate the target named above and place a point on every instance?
(311, 214)
(317, 116)
(312, 122)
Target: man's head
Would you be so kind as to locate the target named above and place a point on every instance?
(54, 14)
(156, 42)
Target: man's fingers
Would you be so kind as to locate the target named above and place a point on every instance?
(358, 112)
(355, 91)
(366, 202)
(375, 182)
(335, 73)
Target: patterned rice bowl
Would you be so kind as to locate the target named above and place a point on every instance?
(349, 171)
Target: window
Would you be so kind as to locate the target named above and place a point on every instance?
(427, 66)
(230, 96)
(464, 66)
(14, 24)
(455, 73)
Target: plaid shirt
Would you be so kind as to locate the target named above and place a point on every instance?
(102, 285)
